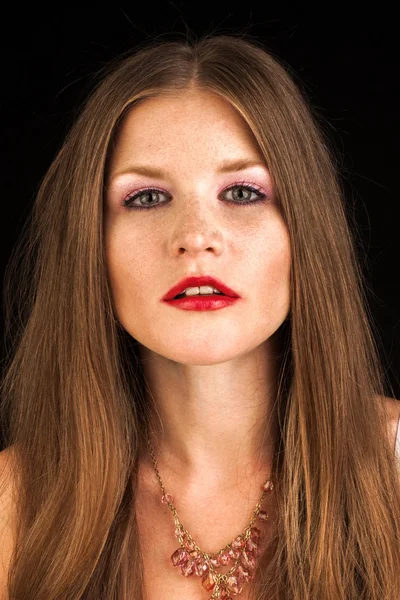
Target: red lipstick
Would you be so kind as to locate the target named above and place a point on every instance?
(202, 302)
(197, 282)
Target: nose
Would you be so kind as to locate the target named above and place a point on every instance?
(196, 231)
(196, 242)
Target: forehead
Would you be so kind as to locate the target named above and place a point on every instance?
(190, 123)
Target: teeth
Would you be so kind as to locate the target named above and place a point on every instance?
(203, 289)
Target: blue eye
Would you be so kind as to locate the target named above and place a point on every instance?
(148, 194)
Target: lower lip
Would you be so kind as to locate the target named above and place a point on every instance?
(202, 302)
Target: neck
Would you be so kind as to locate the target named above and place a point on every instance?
(214, 424)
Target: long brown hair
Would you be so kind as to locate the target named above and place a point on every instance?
(73, 393)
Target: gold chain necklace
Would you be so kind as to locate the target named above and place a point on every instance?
(244, 550)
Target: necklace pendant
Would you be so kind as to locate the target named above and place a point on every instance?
(248, 561)
(179, 532)
(201, 568)
(251, 545)
(224, 558)
(208, 581)
(189, 545)
(263, 516)
(234, 584)
(167, 498)
(179, 557)
(238, 542)
(233, 553)
(244, 575)
(188, 568)
(255, 533)
(268, 485)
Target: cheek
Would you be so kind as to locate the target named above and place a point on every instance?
(130, 260)
(271, 251)
(280, 258)
(120, 259)
(275, 266)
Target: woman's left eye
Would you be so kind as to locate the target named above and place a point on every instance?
(245, 198)
(240, 193)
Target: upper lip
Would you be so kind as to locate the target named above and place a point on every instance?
(197, 282)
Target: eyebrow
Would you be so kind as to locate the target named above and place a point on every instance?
(225, 167)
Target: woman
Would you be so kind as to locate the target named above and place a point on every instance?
(161, 444)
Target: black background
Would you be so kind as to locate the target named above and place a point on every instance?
(348, 64)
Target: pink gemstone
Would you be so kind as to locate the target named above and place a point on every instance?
(179, 557)
(268, 485)
(188, 568)
(201, 567)
(167, 497)
(215, 562)
(238, 543)
(251, 545)
(189, 545)
(208, 582)
(223, 593)
(234, 553)
(234, 585)
(263, 516)
(224, 558)
(243, 575)
(248, 560)
(255, 533)
(179, 531)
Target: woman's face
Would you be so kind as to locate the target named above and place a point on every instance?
(198, 227)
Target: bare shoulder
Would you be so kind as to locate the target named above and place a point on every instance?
(392, 406)
(7, 517)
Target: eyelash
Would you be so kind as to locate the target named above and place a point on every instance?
(262, 197)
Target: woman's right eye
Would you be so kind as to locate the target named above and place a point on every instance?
(148, 196)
